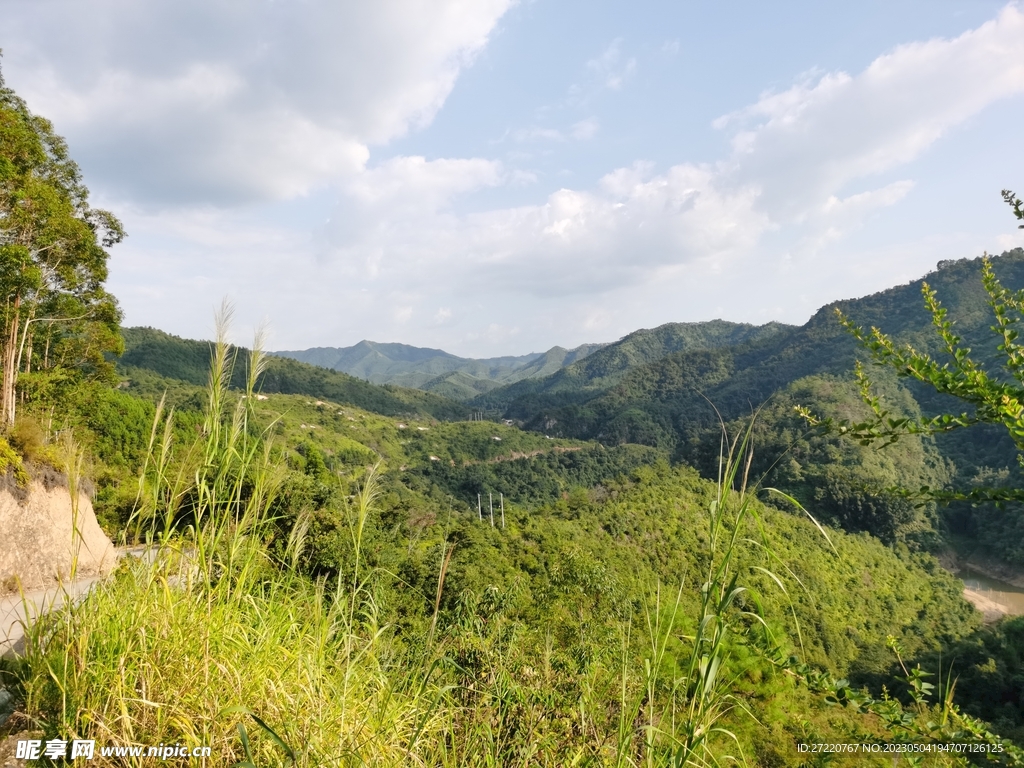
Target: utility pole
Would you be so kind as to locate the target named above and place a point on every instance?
(479, 509)
(490, 498)
(503, 511)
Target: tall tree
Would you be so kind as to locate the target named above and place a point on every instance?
(53, 257)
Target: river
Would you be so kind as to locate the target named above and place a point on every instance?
(991, 596)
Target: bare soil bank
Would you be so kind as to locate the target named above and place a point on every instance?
(42, 534)
(986, 601)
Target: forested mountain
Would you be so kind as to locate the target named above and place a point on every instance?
(606, 367)
(671, 402)
(434, 369)
(740, 366)
(149, 351)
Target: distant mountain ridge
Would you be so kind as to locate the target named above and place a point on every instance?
(672, 387)
(607, 366)
(643, 390)
(149, 352)
(434, 370)
(653, 386)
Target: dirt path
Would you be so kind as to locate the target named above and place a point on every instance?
(523, 455)
(15, 608)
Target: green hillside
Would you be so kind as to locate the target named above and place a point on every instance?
(547, 605)
(458, 385)
(669, 400)
(171, 357)
(609, 365)
(589, 533)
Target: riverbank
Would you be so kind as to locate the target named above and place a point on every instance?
(988, 604)
(994, 588)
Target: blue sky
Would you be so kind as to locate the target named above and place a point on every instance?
(495, 178)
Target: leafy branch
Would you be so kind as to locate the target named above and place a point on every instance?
(991, 398)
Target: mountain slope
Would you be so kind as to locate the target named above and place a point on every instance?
(739, 366)
(150, 350)
(425, 368)
(603, 368)
(675, 403)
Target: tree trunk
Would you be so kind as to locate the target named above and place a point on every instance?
(10, 363)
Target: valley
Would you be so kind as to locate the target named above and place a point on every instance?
(604, 469)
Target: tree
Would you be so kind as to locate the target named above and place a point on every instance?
(53, 258)
(990, 397)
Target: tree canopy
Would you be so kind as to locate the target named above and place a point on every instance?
(55, 313)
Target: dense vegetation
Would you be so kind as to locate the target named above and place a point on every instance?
(673, 401)
(379, 620)
(590, 532)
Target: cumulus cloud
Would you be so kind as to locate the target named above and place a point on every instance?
(806, 164)
(402, 206)
(574, 242)
(585, 129)
(195, 101)
(804, 144)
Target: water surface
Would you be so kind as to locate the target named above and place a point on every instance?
(998, 591)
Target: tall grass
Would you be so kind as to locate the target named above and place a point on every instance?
(181, 645)
(214, 640)
(687, 694)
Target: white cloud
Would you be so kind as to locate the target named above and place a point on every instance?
(575, 242)
(394, 206)
(415, 181)
(579, 131)
(219, 101)
(537, 133)
(807, 143)
(585, 129)
(851, 207)
(1010, 241)
(794, 158)
(611, 67)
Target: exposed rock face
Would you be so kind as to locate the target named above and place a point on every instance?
(41, 534)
